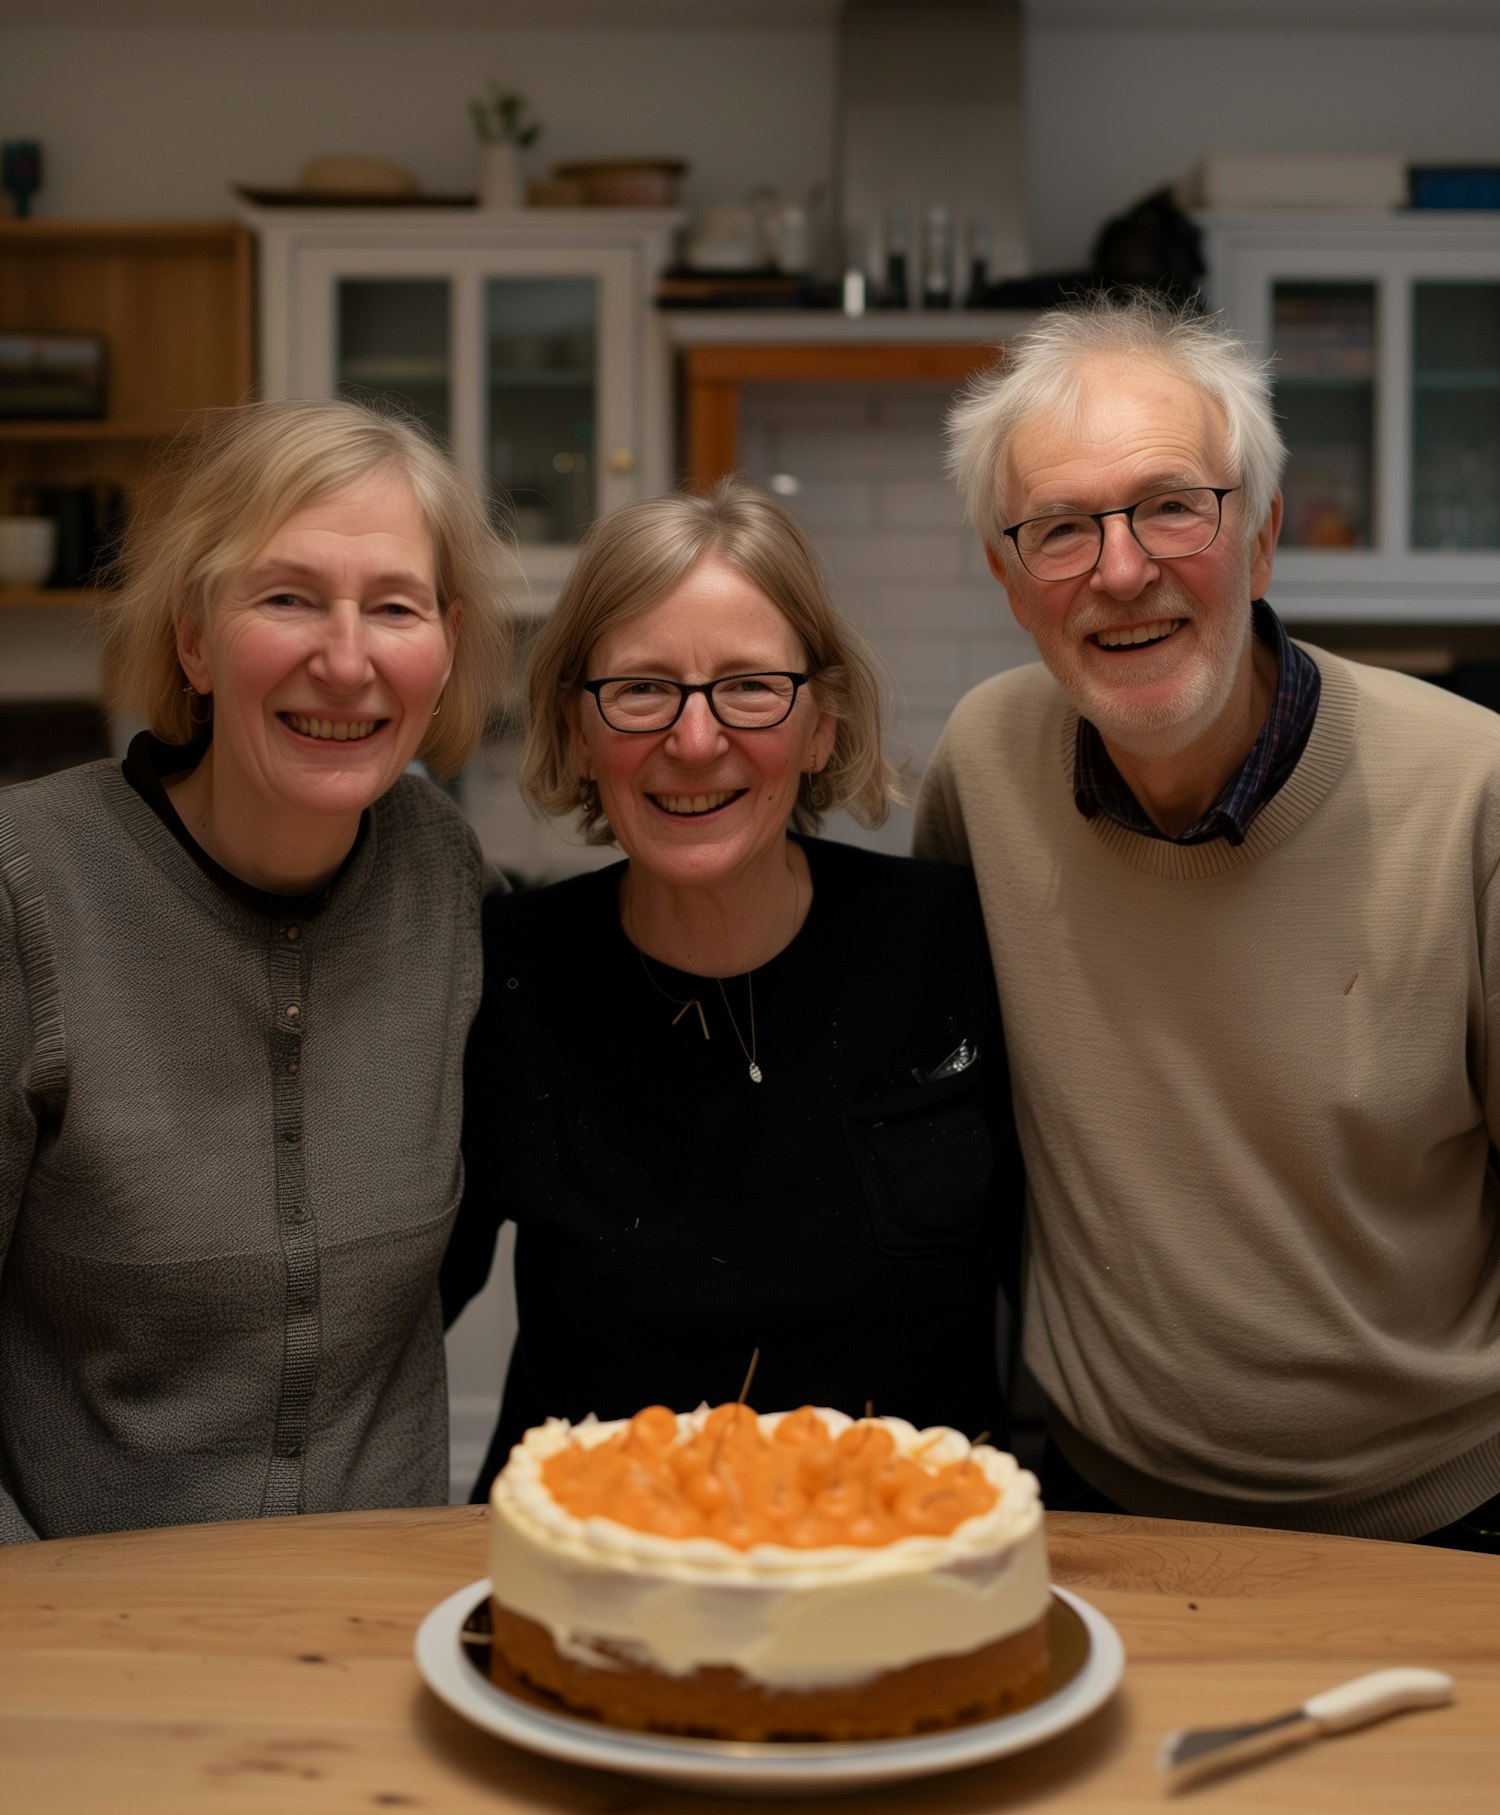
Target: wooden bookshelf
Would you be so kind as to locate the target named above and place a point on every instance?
(173, 301)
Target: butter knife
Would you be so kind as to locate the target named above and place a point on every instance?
(1192, 1752)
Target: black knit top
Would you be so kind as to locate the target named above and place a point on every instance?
(850, 1216)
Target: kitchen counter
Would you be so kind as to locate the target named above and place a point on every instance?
(830, 327)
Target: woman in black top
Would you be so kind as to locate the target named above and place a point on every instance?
(745, 1090)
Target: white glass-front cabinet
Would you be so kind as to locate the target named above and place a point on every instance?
(1386, 337)
(527, 341)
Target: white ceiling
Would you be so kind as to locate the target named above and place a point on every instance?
(1414, 15)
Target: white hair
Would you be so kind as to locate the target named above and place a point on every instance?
(1040, 374)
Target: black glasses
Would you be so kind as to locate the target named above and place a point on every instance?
(742, 702)
(1167, 525)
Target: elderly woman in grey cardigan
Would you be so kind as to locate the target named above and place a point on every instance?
(236, 974)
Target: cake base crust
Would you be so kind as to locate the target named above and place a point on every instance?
(719, 1702)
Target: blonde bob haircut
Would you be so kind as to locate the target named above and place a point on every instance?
(1041, 375)
(221, 491)
(630, 561)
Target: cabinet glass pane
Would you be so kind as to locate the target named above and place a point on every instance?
(1455, 461)
(393, 343)
(543, 383)
(1324, 336)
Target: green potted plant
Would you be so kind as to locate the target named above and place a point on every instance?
(504, 132)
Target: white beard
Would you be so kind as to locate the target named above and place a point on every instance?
(1195, 703)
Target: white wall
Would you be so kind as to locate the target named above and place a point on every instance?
(161, 121)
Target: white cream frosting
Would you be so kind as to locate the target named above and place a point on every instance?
(792, 1619)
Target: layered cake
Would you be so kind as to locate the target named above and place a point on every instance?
(789, 1575)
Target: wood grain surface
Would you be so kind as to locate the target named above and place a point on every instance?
(268, 1666)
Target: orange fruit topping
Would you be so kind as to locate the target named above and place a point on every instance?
(800, 1487)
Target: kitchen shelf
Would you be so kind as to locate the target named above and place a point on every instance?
(94, 236)
(111, 429)
(172, 302)
(44, 595)
(1457, 381)
(1332, 381)
(382, 374)
(542, 381)
(909, 328)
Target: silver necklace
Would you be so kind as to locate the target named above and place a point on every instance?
(749, 1051)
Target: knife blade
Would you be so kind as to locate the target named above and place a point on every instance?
(1189, 1753)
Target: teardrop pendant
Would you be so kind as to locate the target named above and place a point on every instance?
(754, 1071)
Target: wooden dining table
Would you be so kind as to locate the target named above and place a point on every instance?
(268, 1666)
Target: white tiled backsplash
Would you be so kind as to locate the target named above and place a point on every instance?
(867, 465)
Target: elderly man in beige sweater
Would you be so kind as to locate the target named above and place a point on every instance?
(1243, 908)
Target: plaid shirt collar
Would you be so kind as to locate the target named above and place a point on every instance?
(1098, 786)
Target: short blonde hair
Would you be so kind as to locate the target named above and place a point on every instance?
(629, 562)
(226, 485)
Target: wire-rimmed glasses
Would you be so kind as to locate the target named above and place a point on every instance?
(740, 702)
(1169, 526)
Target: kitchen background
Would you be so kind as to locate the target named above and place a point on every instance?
(1098, 103)
(159, 116)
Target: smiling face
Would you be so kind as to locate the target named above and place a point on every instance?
(700, 805)
(325, 656)
(1156, 653)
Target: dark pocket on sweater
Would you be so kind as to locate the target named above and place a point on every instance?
(926, 1162)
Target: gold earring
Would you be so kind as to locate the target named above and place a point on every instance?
(192, 696)
(438, 707)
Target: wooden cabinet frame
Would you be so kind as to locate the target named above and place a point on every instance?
(713, 376)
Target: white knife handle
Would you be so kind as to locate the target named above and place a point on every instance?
(1381, 1692)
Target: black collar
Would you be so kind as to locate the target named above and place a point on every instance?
(148, 763)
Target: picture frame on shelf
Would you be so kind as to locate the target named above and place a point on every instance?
(53, 377)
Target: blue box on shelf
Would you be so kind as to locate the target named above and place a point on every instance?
(1455, 186)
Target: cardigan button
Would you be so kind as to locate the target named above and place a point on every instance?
(293, 1009)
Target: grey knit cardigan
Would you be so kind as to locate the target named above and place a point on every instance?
(228, 1166)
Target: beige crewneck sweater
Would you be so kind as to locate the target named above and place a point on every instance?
(1254, 1092)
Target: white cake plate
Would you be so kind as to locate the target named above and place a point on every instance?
(769, 1768)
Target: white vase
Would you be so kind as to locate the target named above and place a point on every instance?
(28, 549)
(499, 177)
